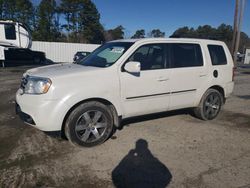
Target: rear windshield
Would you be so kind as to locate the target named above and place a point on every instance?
(217, 54)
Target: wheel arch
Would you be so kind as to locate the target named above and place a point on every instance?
(220, 89)
(106, 102)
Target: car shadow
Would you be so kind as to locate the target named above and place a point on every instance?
(246, 97)
(137, 119)
(140, 169)
(27, 63)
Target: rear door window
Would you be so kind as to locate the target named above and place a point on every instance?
(217, 55)
(185, 55)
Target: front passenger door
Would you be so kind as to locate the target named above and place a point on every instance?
(147, 92)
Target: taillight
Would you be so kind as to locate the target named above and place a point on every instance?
(234, 72)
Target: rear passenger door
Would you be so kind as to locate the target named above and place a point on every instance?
(188, 73)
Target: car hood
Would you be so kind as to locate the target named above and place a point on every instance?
(58, 70)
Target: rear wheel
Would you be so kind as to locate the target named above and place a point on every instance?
(89, 124)
(210, 105)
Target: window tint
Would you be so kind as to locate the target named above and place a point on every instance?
(10, 31)
(150, 56)
(217, 54)
(185, 55)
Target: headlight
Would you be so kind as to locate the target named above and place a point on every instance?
(36, 85)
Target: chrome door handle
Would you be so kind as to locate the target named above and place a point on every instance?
(162, 79)
(203, 75)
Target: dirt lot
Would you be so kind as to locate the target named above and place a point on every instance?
(173, 149)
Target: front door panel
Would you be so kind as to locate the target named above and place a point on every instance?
(148, 91)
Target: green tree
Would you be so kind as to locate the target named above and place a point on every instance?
(139, 34)
(21, 10)
(114, 34)
(71, 10)
(24, 11)
(223, 33)
(89, 20)
(206, 32)
(46, 29)
(184, 32)
(9, 9)
(156, 33)
(1, 8)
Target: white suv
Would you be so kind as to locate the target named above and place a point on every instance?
(126, 78)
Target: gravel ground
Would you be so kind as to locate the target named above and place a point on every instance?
(170, 149)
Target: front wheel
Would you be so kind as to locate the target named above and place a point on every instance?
(89, 124)
(210, 105)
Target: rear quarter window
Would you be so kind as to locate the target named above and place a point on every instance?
(217, 55)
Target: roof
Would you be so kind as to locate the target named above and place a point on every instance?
(168, 40)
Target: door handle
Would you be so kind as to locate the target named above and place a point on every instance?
(162, 79)
(203, 75)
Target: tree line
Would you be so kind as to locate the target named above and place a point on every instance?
(223, 33)
(79, 21)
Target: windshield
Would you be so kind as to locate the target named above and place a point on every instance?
(106, 55)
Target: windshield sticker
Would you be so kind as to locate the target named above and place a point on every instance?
(117, 50)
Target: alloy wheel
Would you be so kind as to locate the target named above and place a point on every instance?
(91, 126)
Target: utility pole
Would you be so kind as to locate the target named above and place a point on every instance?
(237, 27)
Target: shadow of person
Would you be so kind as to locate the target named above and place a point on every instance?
(140, 169)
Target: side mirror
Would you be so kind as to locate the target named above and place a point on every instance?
(133, 67)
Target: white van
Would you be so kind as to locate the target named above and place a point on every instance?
(126, 78)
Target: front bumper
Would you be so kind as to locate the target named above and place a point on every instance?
(41, 113)
(24, 117)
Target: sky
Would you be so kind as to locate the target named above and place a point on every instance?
(167, 15)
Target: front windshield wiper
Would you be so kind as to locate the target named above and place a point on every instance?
(90, 65)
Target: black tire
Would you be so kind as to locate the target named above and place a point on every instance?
(210, 105)
(89, 124)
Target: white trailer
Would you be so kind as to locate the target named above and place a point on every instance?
(13, 35)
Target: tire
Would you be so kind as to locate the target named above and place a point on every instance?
(210, 105)
(89, 124)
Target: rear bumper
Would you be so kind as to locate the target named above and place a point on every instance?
(229, 89)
